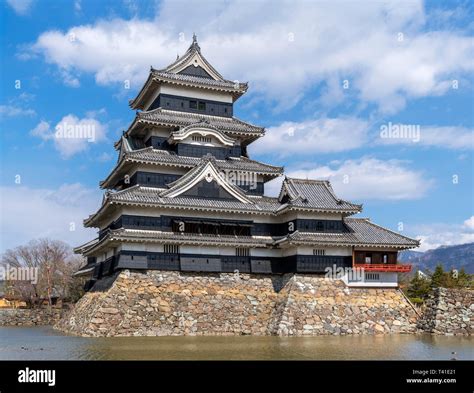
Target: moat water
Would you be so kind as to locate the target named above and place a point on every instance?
(45, 343)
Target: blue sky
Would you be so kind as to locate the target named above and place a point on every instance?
(323, 83)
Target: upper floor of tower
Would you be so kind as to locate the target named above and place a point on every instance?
(190, 84)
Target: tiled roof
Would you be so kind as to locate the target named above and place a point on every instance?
(370, 233)
(187, 238)
(152, 196)
(361, 232)
(207, 167)
(149, 155)
(314, 193)
(184, 60)
(192, 80)
(173, 74)
(171, 118)
(310, 195)
(147, 196)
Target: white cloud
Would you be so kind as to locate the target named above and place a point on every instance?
(313, 136)
(469, 223)
(449, 137)
(21, 7)
(71, 135)
(370, 179)
(13, 111)
(435, 235)
(104, 157)
(43, 131)
(29, 213)
(283, 50)
(77, 6)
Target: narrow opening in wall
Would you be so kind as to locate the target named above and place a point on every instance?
(242, 252)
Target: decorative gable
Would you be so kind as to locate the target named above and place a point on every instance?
(192, 183)
(200, 129)
(194, 63)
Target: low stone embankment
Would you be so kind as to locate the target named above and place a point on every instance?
(160, 303)
(449, 312)
(29, 316)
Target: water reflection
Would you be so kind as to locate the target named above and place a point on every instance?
(46, 343)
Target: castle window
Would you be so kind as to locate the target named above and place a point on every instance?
(202, 106)
(171, 248)
(319, 252)
(372, 276)
(242, 252)
(197, 138)
(193, 104)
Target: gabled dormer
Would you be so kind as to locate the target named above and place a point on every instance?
(205, 181)
(309, 194)
(194, 63)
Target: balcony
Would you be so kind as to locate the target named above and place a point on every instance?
(384, 267)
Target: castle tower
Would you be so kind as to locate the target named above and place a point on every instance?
(185, 196)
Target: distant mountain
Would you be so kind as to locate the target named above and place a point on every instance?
(451, 257)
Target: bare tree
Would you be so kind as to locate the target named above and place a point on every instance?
(55, 265)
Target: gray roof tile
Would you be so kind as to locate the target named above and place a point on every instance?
(314, 193)
(167, 117)
(361, 232)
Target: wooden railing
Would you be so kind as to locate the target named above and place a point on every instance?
(382, 267)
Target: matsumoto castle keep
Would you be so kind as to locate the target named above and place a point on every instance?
(185, 197)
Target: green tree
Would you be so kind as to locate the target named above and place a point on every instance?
(463, 280)
(419, 287)
(438, 278)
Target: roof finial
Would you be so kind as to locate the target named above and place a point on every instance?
(195, 44)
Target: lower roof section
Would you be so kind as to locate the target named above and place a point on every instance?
(361, 233)
(163, 117)
(163, 158)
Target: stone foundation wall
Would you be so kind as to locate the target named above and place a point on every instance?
(29, 317)
(160, 303)
(316, 306)
(449, 312)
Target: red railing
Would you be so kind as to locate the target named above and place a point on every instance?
(382, 267)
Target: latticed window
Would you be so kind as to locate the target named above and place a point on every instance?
(171, 248)
(205, 139)
(242, 252)
(372, 276)
(319, 252)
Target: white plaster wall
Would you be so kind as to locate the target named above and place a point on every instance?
(334, 251)
(157, 131)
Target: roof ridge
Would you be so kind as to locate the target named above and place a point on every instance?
(328, 185)
(307, 180)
